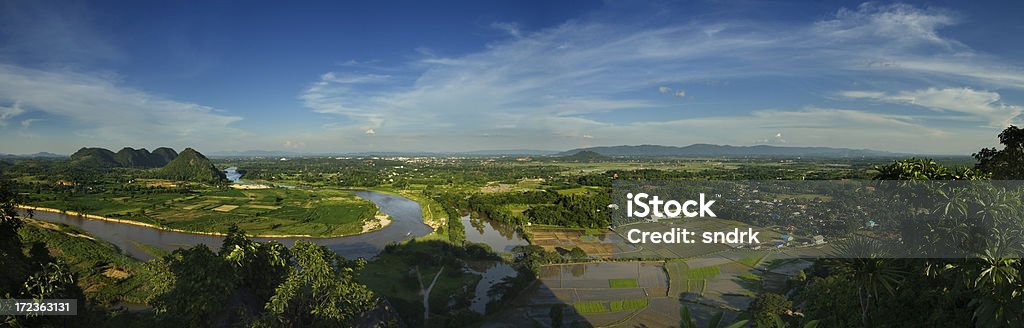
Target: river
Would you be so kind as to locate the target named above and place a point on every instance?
(407, 223)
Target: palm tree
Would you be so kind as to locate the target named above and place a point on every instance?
(865, 259)
(716, 320)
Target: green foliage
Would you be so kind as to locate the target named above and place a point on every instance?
(195, 287)
(260, 267)
(1006, 163)
(556, 314)
(90, 260)
(925, 169)
(320, 290)
(766, 308)
(577, 253)
(687, 320)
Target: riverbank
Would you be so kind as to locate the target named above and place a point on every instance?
(381, 224)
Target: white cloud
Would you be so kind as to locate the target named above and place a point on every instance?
(8, 112)
(294, 144)
(99, 111)
(27, 123)
(904, 24)
(545, 88)
(980, 104)
(510, 28)
(370, 132)
(353, 79)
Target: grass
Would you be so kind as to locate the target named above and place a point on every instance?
(590, 307)
(89, 259)
(752, 261)
(277, 211)
(703, 272)
(749, 276)
(623, 283)
(694, 285)
(676, 271)
(392, 275)
(628, 305)
(153, 251)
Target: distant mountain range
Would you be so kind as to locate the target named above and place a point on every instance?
(281, 153)
(707, 150)
(695, 150)
(129, 157)
(36, 155)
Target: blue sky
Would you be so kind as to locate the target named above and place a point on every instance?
(939, 77)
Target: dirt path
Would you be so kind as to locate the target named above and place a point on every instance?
(426, 292)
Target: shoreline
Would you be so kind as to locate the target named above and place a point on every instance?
(155, 227)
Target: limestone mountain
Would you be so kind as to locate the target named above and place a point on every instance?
(190, 165)
(140, 158)
(126, 157)
(94, 157)
(166, 154)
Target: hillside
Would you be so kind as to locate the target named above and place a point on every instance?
(126, 157)
(584, 156)
(190, 165)
(707, 150)
(95, 157)
(165, 154)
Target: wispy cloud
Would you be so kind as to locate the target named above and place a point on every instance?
(53, 32)
(510, 28)
(979, 104)
(9, 112)
(100, 111)
(553, 81)
(27, 123)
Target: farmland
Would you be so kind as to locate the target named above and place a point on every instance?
(276, 211)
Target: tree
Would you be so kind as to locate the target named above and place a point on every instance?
(556, 314)
(867, 262)
(925, 169)
(577, 253)
(715, 321)
(13, 261)
(197, 286)
(260, 267)
(766, 305)
(320, 290)
(1007, 163)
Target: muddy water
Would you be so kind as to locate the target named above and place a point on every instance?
(500, 237)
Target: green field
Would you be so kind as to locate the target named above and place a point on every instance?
(590, 307)
(628, 305)
(623, 283)
(703, 273)
(752, 261)
(276, 211)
